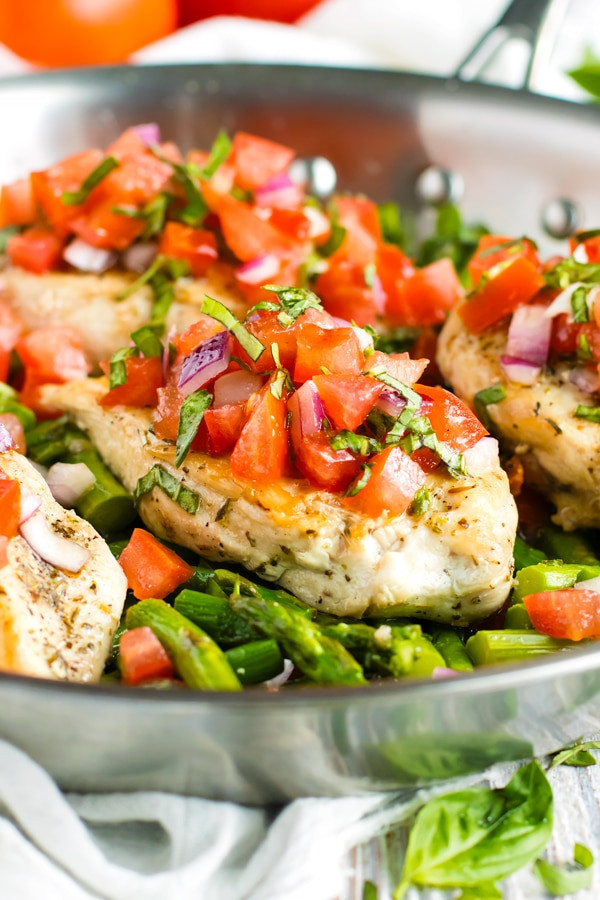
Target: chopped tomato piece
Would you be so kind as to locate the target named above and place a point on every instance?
(324, 467)
(139, 178)
(394, 268)
(31, 395)
(592, 248)
(337, 349)
(494, 248)
(292, 222)
(348, 399)
(102, 227)
(248, 236)
(165, 416)
(256, 160)
(261, 451)
(572, 614)
(17, 203)
(394, 480)
(201, 330)
(346, 294)
(4, 364)
(432, 291)
(54, 354)
(14, 427)
(363, 232)
(268, 331)
(451, 419)
(144, 378)
(499, 295)
(36, 249)
(68, 175)
(10, 506)
(399, 365)
(128, 142)
(151, 569)
(425, 346)
(224, 425)
(143, 657)
(11, 327)
(194, 245)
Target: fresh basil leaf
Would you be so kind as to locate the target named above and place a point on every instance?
(294, 301)
(190, 416)
(334, 241)
(75, 198)
(420, 502)
(362, 482)
(6, 233)
(163, 296)
(579, 306)
(157, 266)
(482, 399)
(569, 271)
(591, 413)
(187, 175)
(581, 236)
(413, 400)
(369, 891)
(266, 305)
(360, 444)
(477, 836)
(281, 381)
(219, 152)
(398, 340)
(568, 879)
(117, 372)
(390, 222)
(155, 213)
(146, 341)
(576, 755)
(420, 427)
(515, 245)
(247, 340)
(584, 351)
(486, 891)
(587, 74)
(158, 476)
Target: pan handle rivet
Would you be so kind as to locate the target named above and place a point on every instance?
(436, 185)
(315, 174)
(560, 218)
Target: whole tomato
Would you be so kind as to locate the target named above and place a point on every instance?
(83, 32)
(278, 10)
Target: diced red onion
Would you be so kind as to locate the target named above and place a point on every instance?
(148, 132)
(6, 439)
(590, 584)
(390, 403)
(279, 193)
(235, 386)
(441, 672)
(586, 380)
(69, 481)
(519, 370)
(204, 363)
(86, 258)
(319, 223)
(139, 257)
(562, 302)
(482, 456)
(364, 338)
(54, 549)
(529, 334)
(307, 411)
(258, 270)
(284, 675)
(30, 503)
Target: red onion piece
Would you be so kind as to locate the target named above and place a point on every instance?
(258, 270)
(519, 370)
(204, 363)
(529, 334)
(307, 411)
(482, 456)
(440, 672)
(139, 257)
(562, 302)
(586, 380)
(319, 223)
(284, 675)
(6, 439)
(590, 584)
(364, 338)
(69, 481)
(86, 258)
(279, 193)
(390, 403)
(235, 386)
(148, 132)
(580, 254)
(30, 503)
(54, 549)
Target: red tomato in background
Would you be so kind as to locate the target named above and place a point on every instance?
(279, 10)
(83, 32)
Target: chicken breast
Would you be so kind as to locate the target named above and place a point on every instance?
(560, 453)
(54, 624)
(453, 564)
(88, 303)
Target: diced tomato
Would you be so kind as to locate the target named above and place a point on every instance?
(394, 480)
(30, 395)
(567, 336)
(494, 249)
(36, 249)
(55, 354)
(165, 417)
(324, 467)
(261, 451)
(15, 429)
(139, 178)
(346, 294)
(151, 569)
(256, 160)
(432, 291)
(199, 331)
(500, 295)
(268, 331)
(144, 378)
(292, 222)
(451, 419)
(194, 245)
(224, 425)
(248, 236)
(335, 348)
(399, 365)
(10, 506)
(425, 346)
(572, 614)
(102, 227)
(143, 657)
(363, 231)
(68, 175)
(394, 268)
(11, 327)
(4, 364)
(170, 151)
(347, 399)
(17, 203)
(127, 143)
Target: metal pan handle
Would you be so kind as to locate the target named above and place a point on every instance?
(538, 22)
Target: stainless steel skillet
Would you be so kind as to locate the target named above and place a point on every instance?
(520, 157)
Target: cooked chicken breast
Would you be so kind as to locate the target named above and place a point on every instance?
(560, 453)
(88, 303)
(56, 624)
(453, 564)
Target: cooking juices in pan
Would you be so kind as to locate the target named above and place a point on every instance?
(259, 406)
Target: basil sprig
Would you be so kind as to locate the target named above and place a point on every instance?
(294, 301)
(75, 198)
(576, 755)
(190, 417)
(568, 879)
(158, 477)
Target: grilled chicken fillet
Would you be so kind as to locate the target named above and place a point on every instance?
(560, 453)
(453, 564)
(55, 624)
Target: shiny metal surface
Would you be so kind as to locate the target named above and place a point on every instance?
(515, 153)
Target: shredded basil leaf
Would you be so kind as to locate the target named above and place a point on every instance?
(576, 755)
(144, 278)
(360, 444)
(398, 340)
(567, 879)
(591, 413)
(423, 435)
(413, 400)
(280, 381)
(219, 311)
(569, 271)
(482, 399)
(146, 341)
(587, 74)
(187, 174)
(515, 245)
(266, 305)
(219, 152)
(584, 351)
(117, 368)
(334, 241)
(6, 233)
(580, 237)
(158, 476)
(579, 306)
(420, 502)
(163, 296)
(362, 482)
(390, 222)
(75, 198)
(369, 891)
(155, 213)
(452, 239)
(190, 416)
(294, 301)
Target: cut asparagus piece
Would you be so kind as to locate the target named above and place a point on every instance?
(256, 661)
(488, 647)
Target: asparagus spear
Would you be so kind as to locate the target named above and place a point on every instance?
(199, 661)
(517, 617)
(232, 583)
(450, 645)
(256, 661)
(388, 649)
(10, 404)
(488, 647)
(215, 616)
(525, 555)
(549, 576)
(107, 506)
(320, 657)
(571, 546)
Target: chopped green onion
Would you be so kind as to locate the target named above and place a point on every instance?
(219, 311)
(75, 198)
(146, 341)
(117, 367)
(362, 482)
(158, 477)
(591, 413)
(579, 305)
(190, 416)
(482, 399)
